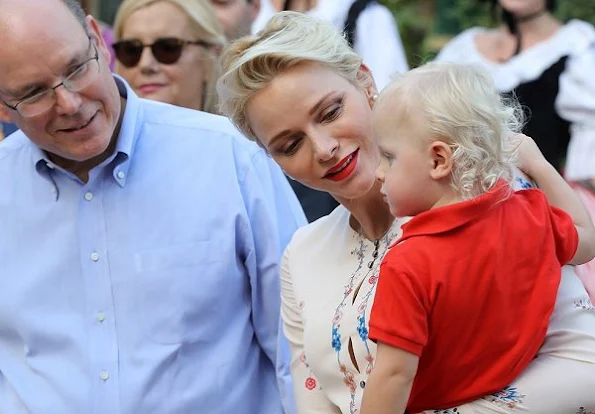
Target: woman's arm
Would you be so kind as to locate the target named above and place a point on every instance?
(559, 194)
(308, 393)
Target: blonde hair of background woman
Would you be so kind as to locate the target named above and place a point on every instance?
(290, 38)
(462, 107)
(207, 28)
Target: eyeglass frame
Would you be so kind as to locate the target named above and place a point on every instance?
(181, 43)
(64, 82)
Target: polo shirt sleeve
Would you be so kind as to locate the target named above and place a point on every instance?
(399, 315)
(565, 235)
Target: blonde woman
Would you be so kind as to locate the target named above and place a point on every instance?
(167, 50)
(305, 96)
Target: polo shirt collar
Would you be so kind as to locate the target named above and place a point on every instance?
(447, 218)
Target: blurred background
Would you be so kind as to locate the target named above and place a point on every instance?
(425, 25)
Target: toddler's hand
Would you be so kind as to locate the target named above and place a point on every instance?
(529, 156)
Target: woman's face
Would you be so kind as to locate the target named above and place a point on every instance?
(522, 8)
(181, 83)
(317, 126)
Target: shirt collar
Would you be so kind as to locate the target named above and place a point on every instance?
(127, 138)
(447, 218)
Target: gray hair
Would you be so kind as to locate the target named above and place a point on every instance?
(77, 11)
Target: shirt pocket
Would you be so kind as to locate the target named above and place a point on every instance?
(177, 292)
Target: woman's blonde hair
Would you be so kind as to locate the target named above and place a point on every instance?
(249, 64)
(207, 27)
(462, 107)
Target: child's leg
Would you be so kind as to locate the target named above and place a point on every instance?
(550, 385)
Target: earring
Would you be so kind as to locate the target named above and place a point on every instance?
(373, 98)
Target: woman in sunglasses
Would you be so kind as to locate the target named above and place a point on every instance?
(167, 50)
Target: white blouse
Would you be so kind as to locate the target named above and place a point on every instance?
(576, 98)
(328, 280)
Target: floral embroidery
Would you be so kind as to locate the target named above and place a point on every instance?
(449, 411)
(524, 184)
(336, 339)
(509, 396)
(368, 272)
(361, 328)
(584, 304)
(310, 383)
(583, 410)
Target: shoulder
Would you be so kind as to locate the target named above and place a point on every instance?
(378, 13)
(196, 130)
(578, 35)
(462, 46)
(14, 146)
(306, 237)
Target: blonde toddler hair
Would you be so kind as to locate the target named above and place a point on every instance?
(462, 107)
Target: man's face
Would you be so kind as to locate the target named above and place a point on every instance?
(236, 16)
(78, 126)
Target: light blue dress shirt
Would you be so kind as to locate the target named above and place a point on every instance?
(154, 287)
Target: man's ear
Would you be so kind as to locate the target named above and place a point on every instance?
(442, 162)
(4, 114)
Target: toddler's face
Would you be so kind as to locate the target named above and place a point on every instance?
(406, 159)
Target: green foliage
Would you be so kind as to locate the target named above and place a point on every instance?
(425, 25)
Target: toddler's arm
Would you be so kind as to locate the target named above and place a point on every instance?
(559, 194)
(389, 385)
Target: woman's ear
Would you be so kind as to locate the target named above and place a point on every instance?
(442, 162)
(365, 78)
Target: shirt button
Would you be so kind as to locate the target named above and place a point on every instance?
(88, 196)
(95, 256)
(101, 316)
(104, 375)
(121, 175)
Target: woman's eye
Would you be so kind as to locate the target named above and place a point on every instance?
(291, 148)
(334, 112)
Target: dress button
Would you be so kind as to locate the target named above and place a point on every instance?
(362, 384)
(104, 375)
(88, 196)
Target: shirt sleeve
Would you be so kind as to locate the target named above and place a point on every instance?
(576, 104)
(565, 235)
(274, 214)
(308, 394)
(378, 43)
(399, 316)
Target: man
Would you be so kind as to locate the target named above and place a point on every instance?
(140, 241)
(236, 16)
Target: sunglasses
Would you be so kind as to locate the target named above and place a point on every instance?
(166, 50)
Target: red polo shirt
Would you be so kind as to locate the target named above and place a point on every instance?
(470, 288)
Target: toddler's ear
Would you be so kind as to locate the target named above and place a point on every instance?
(442, 162)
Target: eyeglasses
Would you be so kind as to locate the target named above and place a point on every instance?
(77, 80)
(167, 50)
